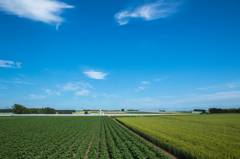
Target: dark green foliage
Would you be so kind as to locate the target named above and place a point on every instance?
(20, 109)
(48, 110)
(64, 112)
(218, 110)
(86, 112)
(122, 110)
(90, 110)
(6, 110)
(71, 137)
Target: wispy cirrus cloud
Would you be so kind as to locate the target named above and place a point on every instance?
(47, 11)
(228, 85)
(81, 88)
(212, 97)
(95, 75)
(145, 82)
(156, 10)
(139, 88)
(82, 93)
(73, 86)
(10, 64)
(19, 81)
(110, 96)
(50, 92)
(32, 96)
(162, 78)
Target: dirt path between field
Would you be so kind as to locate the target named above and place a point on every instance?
(99, 141)
(74, 154)
(90, 144)
(167, 153)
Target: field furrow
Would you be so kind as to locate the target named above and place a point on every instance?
(70, 137)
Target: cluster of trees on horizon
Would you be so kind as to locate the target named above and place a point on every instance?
(20, 109)
(219, 110)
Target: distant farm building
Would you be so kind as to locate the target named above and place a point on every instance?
(199, 111)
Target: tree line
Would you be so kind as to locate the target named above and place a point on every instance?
(219, 110)
(20, 109)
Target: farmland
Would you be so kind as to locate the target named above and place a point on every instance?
(71, 137)
(191, 136)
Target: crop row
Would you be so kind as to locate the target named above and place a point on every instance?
(71, 137)
(131, 145)
(209, 136)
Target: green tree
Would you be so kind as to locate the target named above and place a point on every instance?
(48, 110)
(86, 112)
(19, 109)
(122, 110)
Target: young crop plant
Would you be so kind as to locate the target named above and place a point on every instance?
(207, 136)
(103, 152)
(71, 137)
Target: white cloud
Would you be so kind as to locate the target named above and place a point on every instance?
(229, 85)
(95, 75)
(145, 82)
(10, 64)
(80, 87)
(72, 86)
(162, 78)
(82, 93)
(32, 96)
(50, 92)
(159, 9)
(110, 96)
(139, 88)
(90, 86)
(47, 11)
(19, 81)
(212, 97)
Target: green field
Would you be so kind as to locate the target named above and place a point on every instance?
(191, 136)
(71, 137)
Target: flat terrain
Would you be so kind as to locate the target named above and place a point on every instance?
(82, 112)
(197, 136)
(71, 137)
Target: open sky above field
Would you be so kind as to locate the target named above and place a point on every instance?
(132, 54)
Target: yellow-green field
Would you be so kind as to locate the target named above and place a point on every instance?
(191, 136)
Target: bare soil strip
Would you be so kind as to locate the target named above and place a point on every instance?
(68, 149)
(99, 141)
(82, 142)
(90, 144)
(106, 141)
(74, 143)
(169, 154)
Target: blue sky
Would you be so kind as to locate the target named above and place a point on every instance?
(132, 54)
